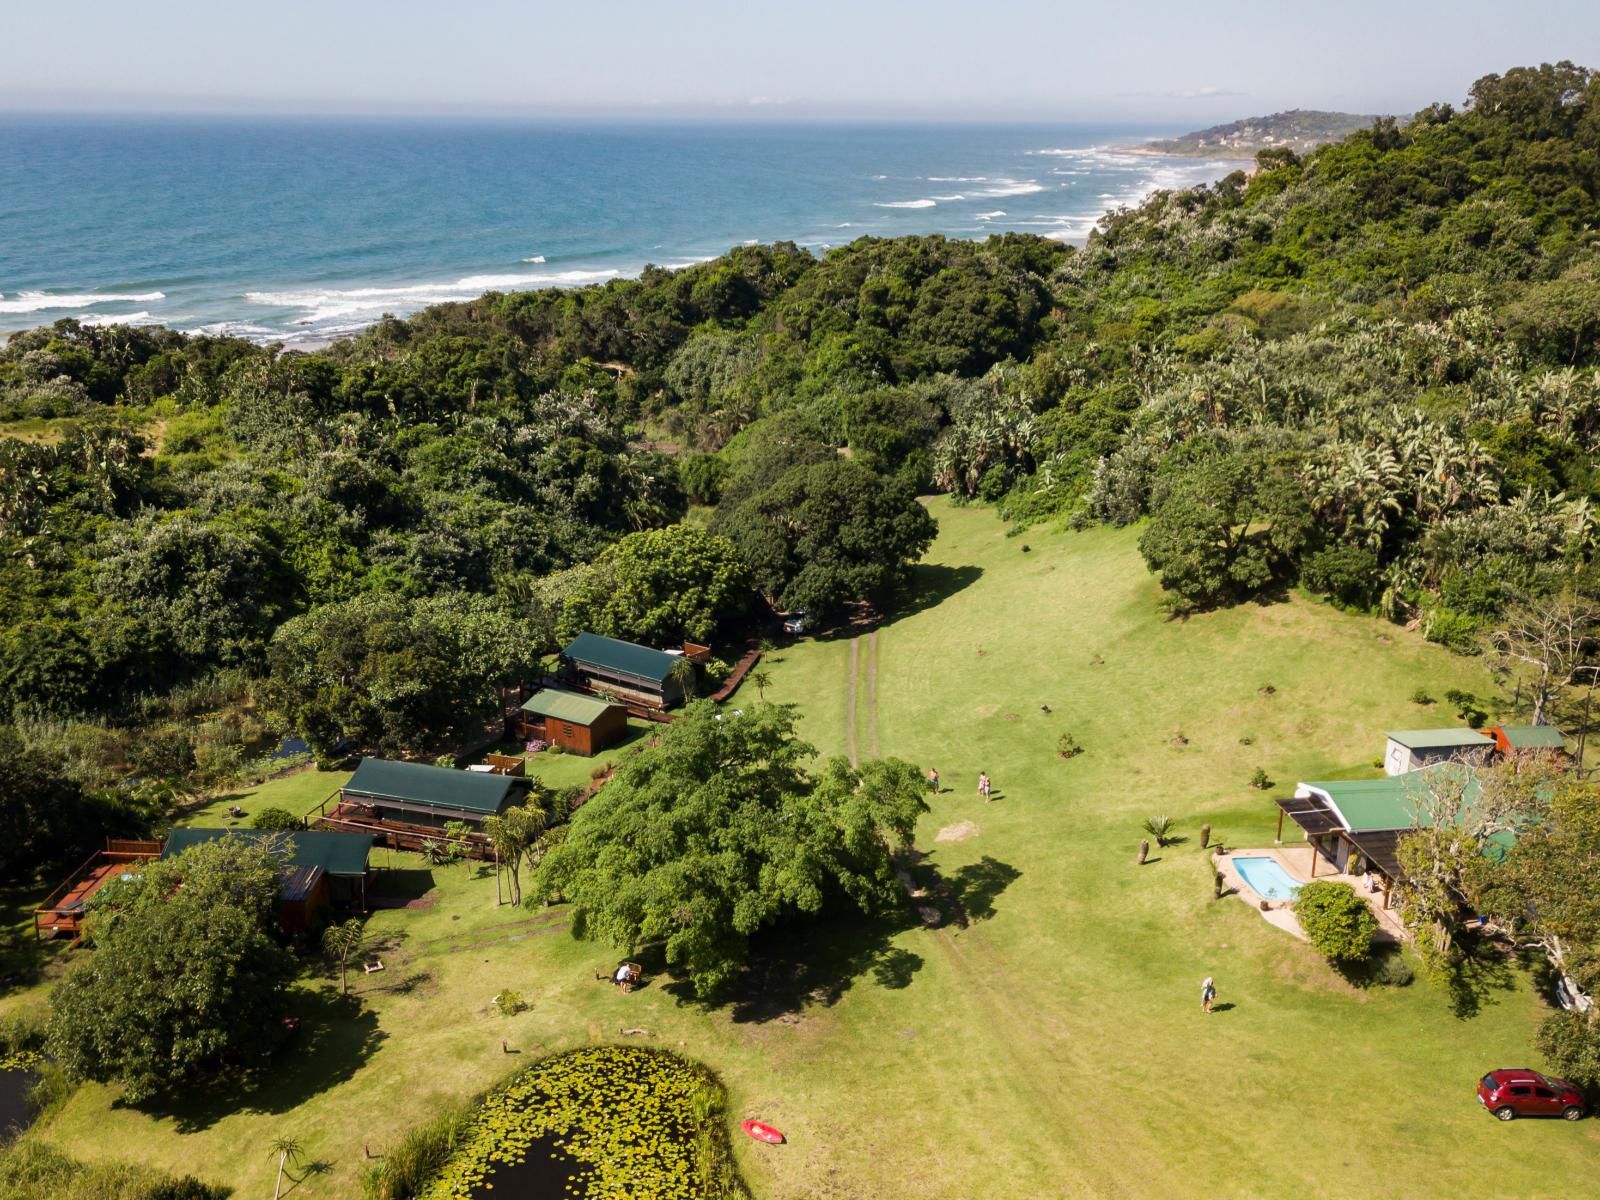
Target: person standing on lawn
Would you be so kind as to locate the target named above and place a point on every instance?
(933, 780)
(1208, 993)
(983, 784)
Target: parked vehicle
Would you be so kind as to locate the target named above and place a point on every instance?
(1519, 1092)
(795, 622)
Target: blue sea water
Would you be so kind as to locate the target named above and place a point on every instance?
(301, 230)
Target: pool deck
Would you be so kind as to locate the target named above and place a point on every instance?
(1296, 863)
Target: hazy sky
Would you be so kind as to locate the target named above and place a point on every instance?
(1062, 60)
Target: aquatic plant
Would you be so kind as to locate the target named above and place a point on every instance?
(634, 1122)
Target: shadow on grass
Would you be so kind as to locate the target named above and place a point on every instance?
(932, 584)
(395, 887)
(795, 966)
(973, 889)
(336, 1036)
(1474, 982)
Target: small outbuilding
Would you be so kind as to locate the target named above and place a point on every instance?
(1413, 749)
(1528, 739)
(581, 724)
(323, 867)
(634, 673)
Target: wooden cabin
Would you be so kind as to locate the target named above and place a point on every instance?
(407, 804)
(323, 868)
(580, 724)
(635, 675)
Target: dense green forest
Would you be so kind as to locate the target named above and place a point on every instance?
(1372, 372)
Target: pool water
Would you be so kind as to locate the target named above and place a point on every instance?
(1269, 880)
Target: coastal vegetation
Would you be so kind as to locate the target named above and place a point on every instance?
(1298, 130)
(1329, 412)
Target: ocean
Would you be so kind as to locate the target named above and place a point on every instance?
(303, 230)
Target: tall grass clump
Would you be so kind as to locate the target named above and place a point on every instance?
(410, 1164)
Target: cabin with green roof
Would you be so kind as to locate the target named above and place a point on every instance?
(1413, 749)
(577, 723)
(1355, 825)
(407, 805)
(320, 868)
(629, 672)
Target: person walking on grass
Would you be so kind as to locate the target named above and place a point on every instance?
(1208, 993)
(983, 784)
(933, 780)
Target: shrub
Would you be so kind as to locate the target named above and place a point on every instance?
(1420, 696)
(1067, 746)
(1259, 780)
(1338, 922)
(1570, 1041)
(1467, 707)
(509, 1003)
(1347, 574)
(598, 772)
(1392, 970)
(275, 818)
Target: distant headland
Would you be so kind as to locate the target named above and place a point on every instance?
(1298, 129)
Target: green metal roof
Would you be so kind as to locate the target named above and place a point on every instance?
(625, 658)
(1394, 802)
(1438, 739)
(335, 853)
(1534, 737)
(438, 787)
(566, 706)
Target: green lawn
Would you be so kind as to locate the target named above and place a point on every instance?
(1053, 1046)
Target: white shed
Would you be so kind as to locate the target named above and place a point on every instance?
(1410, 749)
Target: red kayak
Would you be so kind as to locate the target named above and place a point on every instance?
(762, 1133)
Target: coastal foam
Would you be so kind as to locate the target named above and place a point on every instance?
(28, 302)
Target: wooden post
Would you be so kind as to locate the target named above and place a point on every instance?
(1386, 883)
(1144, 851)
(1277, 841)
(1312, 842)
(1205, 836)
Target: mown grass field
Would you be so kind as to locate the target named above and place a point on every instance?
(1053, 1044)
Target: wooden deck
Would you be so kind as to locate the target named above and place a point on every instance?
(736, 676)
(397, 835)
(63, 910)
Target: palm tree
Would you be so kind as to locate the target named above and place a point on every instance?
(287, 1150)
(683, 675)
(343, 942)
(514, 834)
(761, 679)
(1159, 828)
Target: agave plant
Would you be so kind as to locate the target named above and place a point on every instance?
(1159, 828)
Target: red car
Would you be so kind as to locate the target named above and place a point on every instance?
(1519, 1092)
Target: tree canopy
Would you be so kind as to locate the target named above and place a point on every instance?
(186, 981)
(721, 830)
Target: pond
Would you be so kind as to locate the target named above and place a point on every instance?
(599, 1122)
(15, 1112)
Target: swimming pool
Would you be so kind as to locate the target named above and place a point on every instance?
(1269, 880)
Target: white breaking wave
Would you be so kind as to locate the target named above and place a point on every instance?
(906, 204)
(27, 302)
(958, 196)
(1013, 187)
(842, 225)
(133, 318)
(958, 179)
(537, 258)
(322, 305)
(999, 212)
(230, 329)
